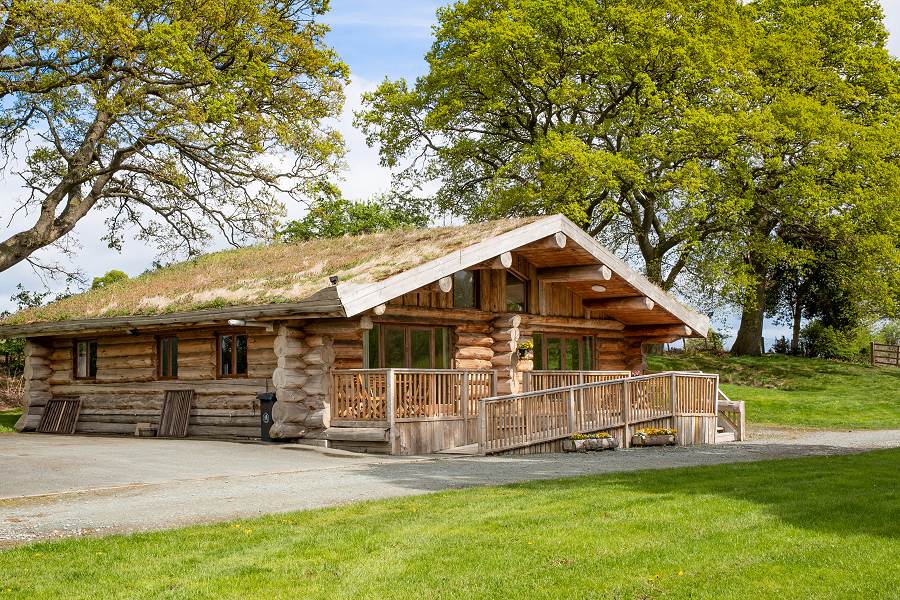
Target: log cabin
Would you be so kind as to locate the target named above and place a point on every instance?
(389, 342)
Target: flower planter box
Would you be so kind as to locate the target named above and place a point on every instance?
(590, 445)
(653, 440)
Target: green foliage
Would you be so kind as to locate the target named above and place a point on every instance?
(822, 527)
(110, 278)
(790, 391)
(13, 349)
(824, 341)
(889, 333)
(333, 216)
(165, 114)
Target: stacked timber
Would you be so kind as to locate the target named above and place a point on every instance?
(473, 347)
(506, 339)
(609, 354)
(37, 386)
(289, 378)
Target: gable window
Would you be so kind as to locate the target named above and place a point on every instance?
(407, 347)
(562, 353)
(516, 293)
(167, 357)
(465, 289)
(84, 354)
(232, 355)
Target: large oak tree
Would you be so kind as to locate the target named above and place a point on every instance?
(179, 119)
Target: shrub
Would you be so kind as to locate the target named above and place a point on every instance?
(823, 341)
(781, 346)
(652, 431)
(590, 436)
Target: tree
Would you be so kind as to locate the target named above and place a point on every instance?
(333, 216)
(110, 277)
(165, 115)
(13, 349)
(819, 161)
(612, 113)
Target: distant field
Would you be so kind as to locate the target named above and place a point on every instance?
(802, 392)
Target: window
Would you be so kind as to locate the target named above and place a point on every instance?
(516, 293)
(562, 353)
(167, 357)
(407, 347)
(465, 289)
(232, 355)
(84, 356)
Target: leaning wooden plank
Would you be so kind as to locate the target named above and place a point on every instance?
(173, 421)
(59, 416)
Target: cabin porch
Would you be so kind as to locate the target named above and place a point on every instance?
(422, 411)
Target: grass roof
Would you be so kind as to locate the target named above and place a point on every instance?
(270, 274)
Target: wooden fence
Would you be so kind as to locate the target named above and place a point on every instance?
(885, 355)
(686, 401)
(545, 380)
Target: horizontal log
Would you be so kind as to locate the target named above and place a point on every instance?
(223, 431)
(557, 241)
(473, 352)
(503, 261)
(89, 427)
(507, 321)
(332, 326)
(576, 273)
(473, 364)
(508, 346)
(502, 335)
(502, 360)
(474, 339)
(444, 285)
(620, 304)
(659, 331)
(537, 321)
(356, 434)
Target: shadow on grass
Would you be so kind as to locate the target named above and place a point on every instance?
(849, 494)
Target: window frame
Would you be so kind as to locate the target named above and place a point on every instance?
(234, 345)
(160, 340)
(525, 289)
(585, 350)
(476, 289)
(92, 343)
(378, 330)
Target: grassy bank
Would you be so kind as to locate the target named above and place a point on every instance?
(815, 528)
(802, 392)
(8, 419)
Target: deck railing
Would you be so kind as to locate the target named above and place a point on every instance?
(394, 394)
(529, 418)
(544, 380)
(732, 416)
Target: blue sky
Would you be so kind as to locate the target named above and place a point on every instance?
(377, 39)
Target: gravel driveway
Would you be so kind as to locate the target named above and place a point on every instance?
(59, 486)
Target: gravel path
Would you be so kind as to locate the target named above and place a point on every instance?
(61, 486)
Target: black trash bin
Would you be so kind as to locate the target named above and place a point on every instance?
(266, 403)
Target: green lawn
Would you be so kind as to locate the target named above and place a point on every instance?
(802, 392)
(804, 528)
(8, 418)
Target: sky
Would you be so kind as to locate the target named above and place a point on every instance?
(377, 39)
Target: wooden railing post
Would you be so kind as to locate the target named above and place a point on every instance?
(390, 389)
(482, 427)
(626, 412)
(526, 381)
(493, 383)
(464, 404)
(673, 392)
(570, 410)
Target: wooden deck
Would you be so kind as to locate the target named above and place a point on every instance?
(422, 411)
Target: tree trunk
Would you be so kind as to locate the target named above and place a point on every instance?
(795, 337)
(748, 341)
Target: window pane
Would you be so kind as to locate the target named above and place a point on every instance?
(173, 350)
(394, 355)
(372, 350)
(225, 345)
(81, 359)
(164, 357)
(420, 348)
(515, 293)
(587, 354)
(92, 359)
(571, 354)
(241, 354)
(442, 348)
(538, 351)
(554, 354)
(464, 289)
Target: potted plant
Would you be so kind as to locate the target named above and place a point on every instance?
(654, 436)
(525, 349)
(587, 442)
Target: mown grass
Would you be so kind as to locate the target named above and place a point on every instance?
(802, 392)
(8, 419)
(803, 528)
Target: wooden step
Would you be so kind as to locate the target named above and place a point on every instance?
(724, 437)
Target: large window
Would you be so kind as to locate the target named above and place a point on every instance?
(562, 353)
(232, 355)
(407, 347)
(516, 293)
(465, 289)
(167, 357)
(84, 363)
